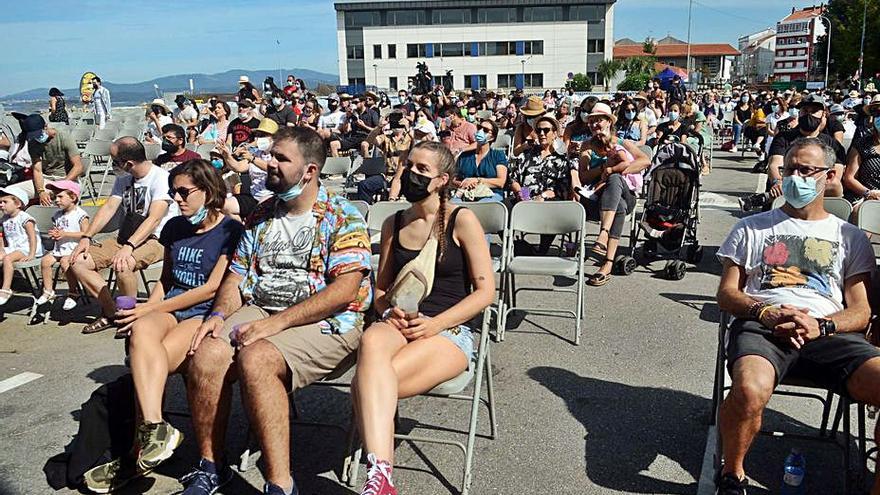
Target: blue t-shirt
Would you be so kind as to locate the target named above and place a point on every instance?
(468, 168)
(193, 256)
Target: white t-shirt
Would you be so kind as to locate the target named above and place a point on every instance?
(16, 236)
(774, 119)
(284, 262)
(258, 181)
(649, 117)
(157, 132)
(331, 120)
(151, 187)
(67, 222)
(188, 113)
(798, 262)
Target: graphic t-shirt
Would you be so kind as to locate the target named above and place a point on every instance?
(137, 195)
(803, 263)
(16, 236)
(194, 255)
(67, 222)
(284, 262)
(168, 161)
(242, 132)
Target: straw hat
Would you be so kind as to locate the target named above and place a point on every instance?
(533, 107)
(603, 110)
(160, 102)
(243, 79)
(268, 126)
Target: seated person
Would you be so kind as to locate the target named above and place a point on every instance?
(51, 154)
(141, 189)
(68, 225)
(358, 124)
(484, 166)
(21, 237)
(174, 147)
(862, 175)
(393, 139)
(253, 159)
(293, 301)
(797, 280)
(413, 349)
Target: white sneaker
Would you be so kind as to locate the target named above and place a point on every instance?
(733, 150)
(4, 296)
(69, 303)
(48, 296)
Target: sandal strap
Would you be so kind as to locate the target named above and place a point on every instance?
(101, 323)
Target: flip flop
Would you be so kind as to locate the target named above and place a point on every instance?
(598, 279)
(599, 249)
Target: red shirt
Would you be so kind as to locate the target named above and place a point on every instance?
(169, 161)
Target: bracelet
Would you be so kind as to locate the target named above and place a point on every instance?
(386, 313)
(218, 314)
(86, 237)
(755, 308)
(866, 193)
(763, 310)
(129, 244)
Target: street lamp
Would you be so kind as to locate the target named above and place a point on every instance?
(827, 49)
(376, 75)
(523, 72)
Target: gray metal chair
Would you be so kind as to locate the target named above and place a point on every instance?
(106, 134)
(545, 217)
(204, 150)
(362, 206)
(98, 153)
(81, 136)
(153, 150)
(375, 218)
(336, 165)
(838, 207)
(503, 141)
(868, 218)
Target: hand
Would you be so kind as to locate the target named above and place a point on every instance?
(127, 317)
(212, 326)
(81, 250)
(27, 258)
(45, 198)
(776, 190)
(248, 333)
(874, 194)
(397, 319)
(123, 259)
(55, 233)
(469, 183)
(548, 194)
(421, 327)
(606, 172)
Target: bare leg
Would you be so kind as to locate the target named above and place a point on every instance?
(863, 388)
(84, 271)
(334, 148)
(9, 267)
(72, 282)
(127, 283)
(208, 385)
(46, 272)
(753, 382)
(264, 379)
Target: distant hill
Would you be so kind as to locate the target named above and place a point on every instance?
(224, 82)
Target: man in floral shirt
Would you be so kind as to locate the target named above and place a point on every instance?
(797, 281)
(292, 305)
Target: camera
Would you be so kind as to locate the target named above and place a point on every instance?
(755, 201)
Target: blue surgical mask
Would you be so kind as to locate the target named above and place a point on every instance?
(199, 216)
(630, 115)
(877, 123)
(292, 193)
(799, 191)
(217, 163)
(775, 108)
(42, 138)
(673, 116)
(794, 112)
(481, 137)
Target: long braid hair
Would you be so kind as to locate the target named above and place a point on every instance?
(445, 165)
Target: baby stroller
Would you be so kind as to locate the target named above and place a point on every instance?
(670, 216)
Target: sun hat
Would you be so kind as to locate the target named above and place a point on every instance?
(160, 102)
(65, 185)
(268, 126)
(243, 79)
(602, 110)
(836, 108)
(16, 192)
(870, 88)
(641, 95)
(370, 94)
(425, 126)
(534, 107)
(245, 103)
(853, 94)
(548, 118)
(874, 103)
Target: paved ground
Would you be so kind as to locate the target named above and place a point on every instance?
(625, 412)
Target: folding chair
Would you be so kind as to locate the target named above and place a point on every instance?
(362, 206)
(375, 218)
(550, 217)
(792, 385)
(153, 150)
(204, 150)
(868, 218)
(838, 207)
(503, 141)
(479, 369)
(484, 114)
(98, 153)
(80, 136)
(336, 165)
(105, 134)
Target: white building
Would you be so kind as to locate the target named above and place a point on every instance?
(486, 43)
(796, 38)
(758, 54)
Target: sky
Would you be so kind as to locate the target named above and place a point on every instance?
(52, 42)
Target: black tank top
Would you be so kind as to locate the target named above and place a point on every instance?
(451, 283)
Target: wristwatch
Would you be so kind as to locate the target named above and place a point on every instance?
(826, 327)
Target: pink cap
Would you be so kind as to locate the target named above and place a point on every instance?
(65, 185)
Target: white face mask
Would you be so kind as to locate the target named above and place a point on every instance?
(243, 116)
(263, 143)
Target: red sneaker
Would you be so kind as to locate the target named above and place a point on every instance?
(378, 478)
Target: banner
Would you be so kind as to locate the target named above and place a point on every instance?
(85, 87)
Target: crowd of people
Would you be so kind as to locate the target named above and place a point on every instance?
(266, 275)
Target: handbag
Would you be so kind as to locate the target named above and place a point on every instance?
(416, 279)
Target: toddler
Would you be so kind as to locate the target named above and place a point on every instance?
(70, 222)
(20, 236)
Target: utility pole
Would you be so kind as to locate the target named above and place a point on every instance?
(688, 63)
(862, 48)
(827, 49)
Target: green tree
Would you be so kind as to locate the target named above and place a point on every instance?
(649, 46)
(579, 82)
(846, 35)
(634, 82)
(608, 70)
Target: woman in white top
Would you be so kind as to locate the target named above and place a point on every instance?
(157, 117)
(777, 121)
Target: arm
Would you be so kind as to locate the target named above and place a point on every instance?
(52, 104)
(104, 215)
(39, 186)
(76, 167)
(227, 301)
(838, 136)
(643, 132)
(394, 192)
(500, 179)
(31, 229)
(124, 258)
(640, 160)
(384, 277)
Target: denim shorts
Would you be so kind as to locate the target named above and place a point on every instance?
(463, 338)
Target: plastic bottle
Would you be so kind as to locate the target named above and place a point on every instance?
(793, 474)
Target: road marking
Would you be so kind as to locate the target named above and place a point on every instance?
(18, 380)
(717, 201)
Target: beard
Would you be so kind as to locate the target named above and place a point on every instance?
(277, 183)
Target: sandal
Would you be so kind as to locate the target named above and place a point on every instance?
(98, 325)
(5, 294)
(598, 279)
(599, 249)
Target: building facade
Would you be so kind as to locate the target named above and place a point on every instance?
(796, 38)
(757, 61)
(710, 62)
(493, 44)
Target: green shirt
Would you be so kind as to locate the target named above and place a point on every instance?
(57, 154)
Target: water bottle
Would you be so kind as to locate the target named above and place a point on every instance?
(793, 476)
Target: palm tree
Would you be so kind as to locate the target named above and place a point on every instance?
(608, 69)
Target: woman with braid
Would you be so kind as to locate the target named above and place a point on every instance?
(407, 353)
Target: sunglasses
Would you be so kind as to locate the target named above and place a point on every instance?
(803, 170)
(544, 130)
(184, 192)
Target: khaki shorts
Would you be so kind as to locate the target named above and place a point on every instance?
(145, 255)
(310, 354)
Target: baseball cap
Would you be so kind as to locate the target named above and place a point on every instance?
(812, 99)
(17, 192)
(33, 125)
(245, 103)
(65, 185)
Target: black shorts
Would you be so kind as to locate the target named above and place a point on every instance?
(349, 142)
(827, 361)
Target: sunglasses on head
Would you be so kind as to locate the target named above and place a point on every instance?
(183, 191)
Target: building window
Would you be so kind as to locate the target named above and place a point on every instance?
(592, 13)
(594, 78)
(501, 15)
(530, 80)
(469, 80)
(417, 50)
(392, 83)
(506, 80)
(377, 51)
(405, 17)
(362, 19)
(356, 52)
(392, 51)
(450, 16)
(451, 50)
(534, 80)
(498, 48)
(596, 46)
(533, 47)
(542, 14)
(357, 81)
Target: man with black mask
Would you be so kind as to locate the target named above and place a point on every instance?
(279, 111)
(331, 122)
(174, 147)
(812, 121)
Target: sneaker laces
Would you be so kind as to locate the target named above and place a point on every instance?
(201, 479)
(378, 471)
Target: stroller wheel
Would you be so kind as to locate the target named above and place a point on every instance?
(625, 265)
(694, 254)
(675, 270)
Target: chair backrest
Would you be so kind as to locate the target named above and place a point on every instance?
(204, 150)
(105, 134)
(97, 147)
(153, 150)
(492, 215)
(547, 217)
(336, 165)
(502, 142)
(43, 217)
(362, 206)
(647, 150)
(80, 134)
(838, 207)
(382, 210)
(484, 114)
(112, 225)
(869, 216)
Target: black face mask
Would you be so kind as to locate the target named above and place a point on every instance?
(809, 122)
(168, 146)
(332, 106)
(414, 186)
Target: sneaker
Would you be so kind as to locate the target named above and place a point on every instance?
(205, 479)
(110, 476)
(157, 442)
(273, 489)
(378, 478)
(46, 297)
(731, 485)
(69, 303)
(733, 150)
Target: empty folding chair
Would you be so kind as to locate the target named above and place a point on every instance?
(868, 218)
(106, 134)
(554, 218)
(98, 153)
(336, 165)
(81, 136)
(362, 206)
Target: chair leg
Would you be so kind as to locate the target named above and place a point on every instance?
(490, 392)
(847, 462)
(472, 427)
(353, 455)
(826, 413)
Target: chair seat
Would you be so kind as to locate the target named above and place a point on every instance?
(456, 384)
(28, 264)
(542, 265)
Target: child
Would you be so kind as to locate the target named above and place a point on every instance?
(613, 158)
(20, 235)
(69, 224)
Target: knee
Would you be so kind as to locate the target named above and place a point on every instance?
(751, 396)
(259, 361)
(212, 359)
(374, 343)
